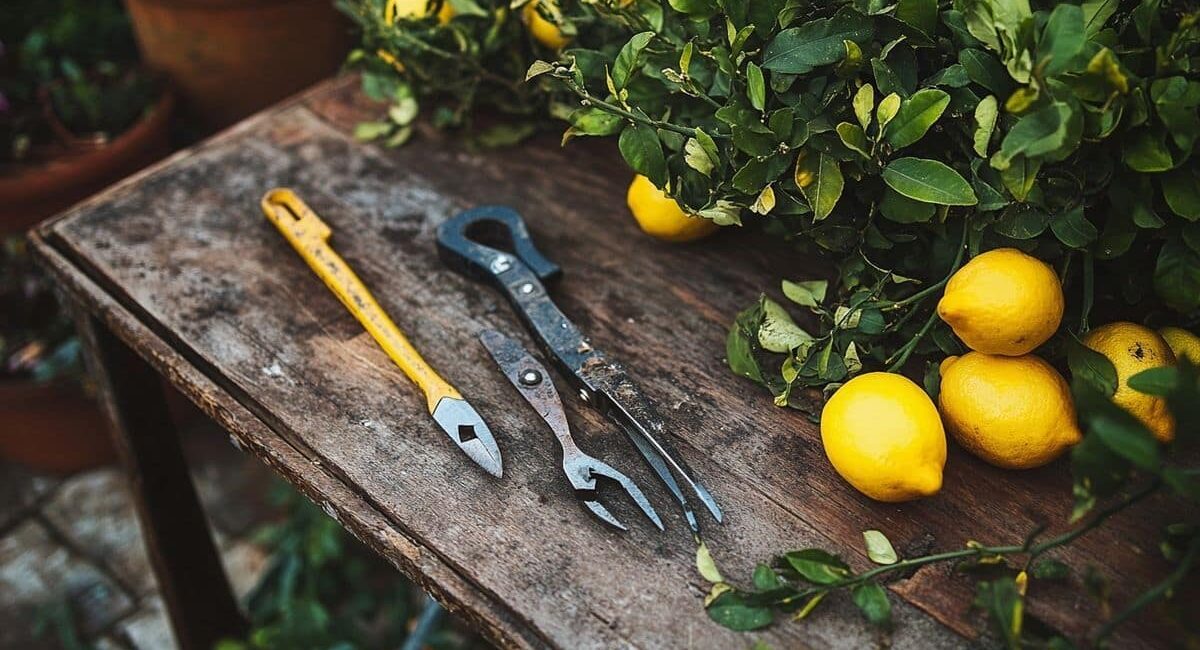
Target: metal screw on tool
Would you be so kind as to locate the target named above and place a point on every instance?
(531, 378)
(501, 263)
(526, 288)
(583, 395)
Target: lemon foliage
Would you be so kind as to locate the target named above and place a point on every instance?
(896, 140)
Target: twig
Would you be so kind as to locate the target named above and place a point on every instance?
(1152, 594)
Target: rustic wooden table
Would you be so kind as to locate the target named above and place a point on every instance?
(176, 272)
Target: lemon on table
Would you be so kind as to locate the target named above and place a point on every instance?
(1183, 343)
(1003, 302)
(883, 435)
(661, 217)
(1133, 348)
(542, 30)
(1013, 412)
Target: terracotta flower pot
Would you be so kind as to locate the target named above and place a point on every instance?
(229, 58)
(52, 427)
(32, 192)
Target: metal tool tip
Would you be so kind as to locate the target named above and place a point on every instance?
(464, 426)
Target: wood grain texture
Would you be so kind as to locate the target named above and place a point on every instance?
(182, 258)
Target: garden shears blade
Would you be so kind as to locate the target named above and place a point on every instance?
(535, 385)
(309, 235)
(601, 382)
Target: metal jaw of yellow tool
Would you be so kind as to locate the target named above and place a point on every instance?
(309, 235)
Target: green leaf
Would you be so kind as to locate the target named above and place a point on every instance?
(595, 122)
(740, 344)
(778, 332)
(901, 209)
(808, 293)
(757, 173)
(854, 138)
(986, 70)
(641, 148)
(697, 158)
(538, 68)
(817, 566)
(1039, 133)
(1096, 13)
(873, 602)
(1177, 276)
(921, 14)
(1049, 569)
(1146, 151)
(929, 181)
(986, 113)
(1022, 221)
(916, 115)
(1004, 606)
(629, 59)
(888, 107)
(1122, 433)
(879, 548)
(1073, 229)
(705, 564)
(797, 50)
(755, 86)
(819, 178)
(1159, 382)
(1020, 176)
(1062, 39)
(1092, 368)
(1181, 189)
(367, 131)
(731, 610)
(765, 578)
(864, 103)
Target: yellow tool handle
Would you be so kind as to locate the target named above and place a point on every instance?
(310, 237)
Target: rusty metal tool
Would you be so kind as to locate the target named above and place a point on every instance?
(309, 235)
(535, 385)
(601, 382)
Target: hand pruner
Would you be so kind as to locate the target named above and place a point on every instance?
(535, 385)
(601, 382)
(310, 237)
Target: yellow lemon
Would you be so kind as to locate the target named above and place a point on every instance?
(883, 435)
(1132, 348)
(1183, 343)
(661, 217)
(1013, 412)
(415, 9)
(1003, 302)
(542, 30)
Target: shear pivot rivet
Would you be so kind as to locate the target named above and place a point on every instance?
(501, 263)
(531, 378)
(526, 288)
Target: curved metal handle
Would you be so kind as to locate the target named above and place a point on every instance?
(459, 250)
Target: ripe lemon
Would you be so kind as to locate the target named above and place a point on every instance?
(883, 435)
(416, 9)
(661, 217)
(542, 30)
(1013, 412)
(1003, 302)
(1132, 348)
(1183, 343)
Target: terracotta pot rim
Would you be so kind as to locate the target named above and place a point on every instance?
(20, 175)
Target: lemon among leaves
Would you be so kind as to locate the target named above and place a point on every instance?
(1003, 302)
(883, 435)
(660, 216)
(1133, 348)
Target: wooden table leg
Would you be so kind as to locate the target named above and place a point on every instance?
(190, 576)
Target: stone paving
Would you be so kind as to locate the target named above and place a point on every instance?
(76, 540)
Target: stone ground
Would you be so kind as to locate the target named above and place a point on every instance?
(76, 540)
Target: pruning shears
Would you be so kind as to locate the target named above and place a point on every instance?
(602, 383)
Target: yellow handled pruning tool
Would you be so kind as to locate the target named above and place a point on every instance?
(310, 237)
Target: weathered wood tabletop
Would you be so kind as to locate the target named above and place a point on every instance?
(181, 265)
